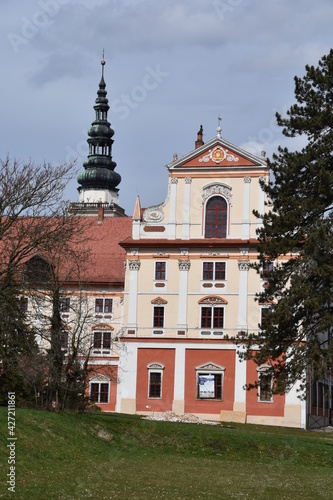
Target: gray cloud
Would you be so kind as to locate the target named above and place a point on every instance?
(235, 57)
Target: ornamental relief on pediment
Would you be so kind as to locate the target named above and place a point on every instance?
(219, 154)
(158, 301)
(213, 300)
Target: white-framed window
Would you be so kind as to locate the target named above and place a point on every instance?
(160, 271)
(216, 217)
(212, 320)
(214, 271)
(99, 390)
(265, 384)
(158, 315)
(155, 377)
(160, 275)
(103, 306)
(212, 315)
(158, 319)
(102, 342)
(210, 381)
(265, 312)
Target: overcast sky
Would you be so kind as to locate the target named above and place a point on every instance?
(170, 67)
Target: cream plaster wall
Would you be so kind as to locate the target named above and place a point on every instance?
(180, 205)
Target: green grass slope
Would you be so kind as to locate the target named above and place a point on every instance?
(71, 456)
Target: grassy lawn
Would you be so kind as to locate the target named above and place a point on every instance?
(71, 456)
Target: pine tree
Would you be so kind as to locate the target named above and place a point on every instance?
(297, 236)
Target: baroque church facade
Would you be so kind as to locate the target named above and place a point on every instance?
(172, 289)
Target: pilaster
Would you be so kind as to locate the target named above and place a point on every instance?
(178, 404)
(246, 209)
(134, 266)
(184, 266)
(187, 203)
(173, 207)
(243, 266)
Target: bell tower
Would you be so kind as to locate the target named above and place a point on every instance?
(98, 181)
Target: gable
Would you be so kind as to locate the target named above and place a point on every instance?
(216, 154)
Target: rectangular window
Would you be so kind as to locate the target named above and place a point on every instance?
(24, 304)
(104, 393)
(160, 270)
(265, 386)
(108, 306)
(220, 271)
(212, 317)
(208, 270)
(155, 384)
(103, 306)
(158, 317)
(99, 305)
(206, 317)
(209, 386)
(97, 340)
(94, 392)
(265, 315)
(65, 303)
(102, 339)
(64, 339)
(267, 269)
(99, 392)
(218, 317)
(213, 271)
(107, 340)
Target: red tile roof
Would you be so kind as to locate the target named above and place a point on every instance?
(106, 259)
(99, 256)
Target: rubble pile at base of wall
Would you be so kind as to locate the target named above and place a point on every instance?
(188, 418)
(328, 428)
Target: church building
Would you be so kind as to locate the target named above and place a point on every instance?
(190, 293)
(182, 290)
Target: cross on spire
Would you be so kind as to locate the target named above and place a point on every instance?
(219, 128)
(103, 64)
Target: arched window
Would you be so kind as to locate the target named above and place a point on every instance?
(216, 218)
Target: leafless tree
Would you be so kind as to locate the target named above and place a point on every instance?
(41, 249)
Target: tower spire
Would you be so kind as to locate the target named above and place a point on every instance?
(98, 181)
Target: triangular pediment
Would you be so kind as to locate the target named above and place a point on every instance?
(159, 301)
(217, 153)
(210, 367)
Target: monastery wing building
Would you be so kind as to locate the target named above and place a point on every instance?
(190, 291)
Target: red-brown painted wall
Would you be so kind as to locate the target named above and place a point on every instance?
(197, 357)
(166, 357)
(111, 372)
(255, 407)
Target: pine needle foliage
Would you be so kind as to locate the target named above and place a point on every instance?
(296, 235)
